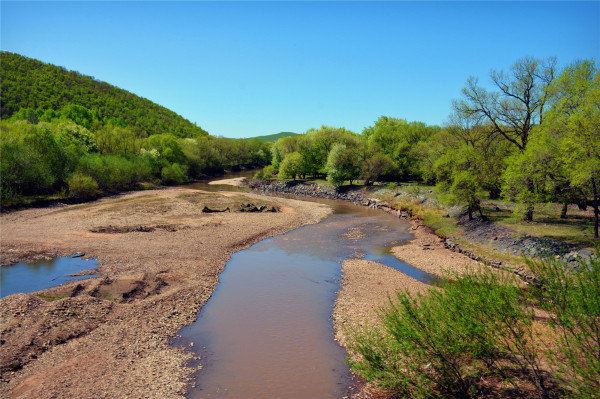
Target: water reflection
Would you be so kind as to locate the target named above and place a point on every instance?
(266, 332)
(39, 275)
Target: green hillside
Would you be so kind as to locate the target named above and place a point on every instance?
(30, 84)
(273, 137)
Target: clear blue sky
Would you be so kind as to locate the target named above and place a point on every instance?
(244, 69)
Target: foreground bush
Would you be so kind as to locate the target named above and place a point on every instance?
(572, 296)
(82, 186)
(447, 343)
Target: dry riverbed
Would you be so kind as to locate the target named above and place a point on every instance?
(159, 257)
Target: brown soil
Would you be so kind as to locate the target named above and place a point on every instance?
(108, 337)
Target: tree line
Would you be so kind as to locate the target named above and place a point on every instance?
(532, 136)
(71, 153)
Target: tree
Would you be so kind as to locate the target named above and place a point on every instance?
(398, 139)
(459, 172)
(576, 112)
(516, 106)
(343, 163)
(291, 166)
(375, 166)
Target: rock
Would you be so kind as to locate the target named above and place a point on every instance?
(571, 256)
(206, 209)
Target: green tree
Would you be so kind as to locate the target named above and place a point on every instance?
(398, 139)
(517, 105)
(343, 163)
(577, 114)
(291, 166)
(376, 166)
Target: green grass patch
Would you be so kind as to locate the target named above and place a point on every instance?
(51, 297)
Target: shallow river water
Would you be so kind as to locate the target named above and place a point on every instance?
(22, 277)
(267, 332)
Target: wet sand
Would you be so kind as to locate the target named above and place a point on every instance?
(108, 337)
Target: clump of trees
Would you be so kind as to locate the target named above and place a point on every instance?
(59, 156)
(532, 137)
(451, 342)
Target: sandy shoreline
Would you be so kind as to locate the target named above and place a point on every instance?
(108, 337)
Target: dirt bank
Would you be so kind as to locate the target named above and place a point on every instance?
(428, 252)
(235, 181)
(160, 257)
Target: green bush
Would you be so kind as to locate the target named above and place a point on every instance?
(174, 174)
(82, 186)
(572, 296)
(442, 344)
(113, 172)
(268, 172)
(32, 161)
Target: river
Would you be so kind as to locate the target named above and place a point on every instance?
(267, 331)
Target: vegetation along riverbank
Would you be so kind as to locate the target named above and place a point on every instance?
(503, 201)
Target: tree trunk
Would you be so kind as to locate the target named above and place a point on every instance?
(529, 213)
(470, 213)
(596, 217)
(563, 212)
(595, 204)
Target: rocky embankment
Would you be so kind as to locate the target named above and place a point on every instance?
(478, 230)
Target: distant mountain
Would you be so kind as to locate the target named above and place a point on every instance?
(273, 137)
(32, 84)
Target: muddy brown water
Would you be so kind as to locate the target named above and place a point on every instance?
(266, 332)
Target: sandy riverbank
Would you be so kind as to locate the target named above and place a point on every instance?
(107, 337)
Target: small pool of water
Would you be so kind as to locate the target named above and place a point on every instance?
(22, 278)
(266, 332)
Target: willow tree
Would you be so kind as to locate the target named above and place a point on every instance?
(516, 104)
(577, 113)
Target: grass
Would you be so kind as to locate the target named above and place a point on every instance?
(51, 297)
(576, 228)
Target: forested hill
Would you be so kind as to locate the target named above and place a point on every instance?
(32, 85)
(273, 137)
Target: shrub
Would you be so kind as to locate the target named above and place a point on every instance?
(31, 162)
(113, 172)
(268, 172)
(442, 343)
(82, 185)
(174, 174)
(572, 296)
